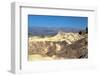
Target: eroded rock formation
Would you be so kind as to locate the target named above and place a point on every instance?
(63, 45)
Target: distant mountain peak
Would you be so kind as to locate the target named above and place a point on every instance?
(61, 33)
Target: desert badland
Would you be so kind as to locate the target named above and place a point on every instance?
(61, 46)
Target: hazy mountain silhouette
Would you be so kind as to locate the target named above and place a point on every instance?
(42, 31)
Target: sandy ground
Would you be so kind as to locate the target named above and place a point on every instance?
(37, 57)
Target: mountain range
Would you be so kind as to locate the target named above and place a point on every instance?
(42, 31)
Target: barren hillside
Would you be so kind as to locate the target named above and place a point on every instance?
(61, 46)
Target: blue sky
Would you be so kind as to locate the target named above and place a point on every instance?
(57, 21)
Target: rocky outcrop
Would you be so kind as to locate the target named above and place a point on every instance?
(61, 36)
(45, 47)
(68, 37)
(63, 45)
(78, 49)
